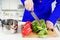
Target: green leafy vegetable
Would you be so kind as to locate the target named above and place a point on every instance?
(40, 30)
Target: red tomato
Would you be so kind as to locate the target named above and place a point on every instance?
(27, 24)
(26, 30)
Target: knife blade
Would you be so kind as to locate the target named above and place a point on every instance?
(35, 17)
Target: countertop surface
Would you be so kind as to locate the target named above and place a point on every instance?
(18, 36)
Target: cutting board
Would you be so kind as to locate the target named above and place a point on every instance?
(34, 35)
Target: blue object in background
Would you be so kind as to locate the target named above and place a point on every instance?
(43, 10)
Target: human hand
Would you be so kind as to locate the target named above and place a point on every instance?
(29, 5)
(49, 24)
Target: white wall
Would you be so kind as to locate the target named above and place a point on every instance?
(0, 4)
(0, 7)
(20, 2)
(10, 4)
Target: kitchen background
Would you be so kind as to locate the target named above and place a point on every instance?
(13, 9)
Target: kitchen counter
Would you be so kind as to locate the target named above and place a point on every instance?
(18, 36)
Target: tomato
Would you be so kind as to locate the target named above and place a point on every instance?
(27, 24)
(26, 30)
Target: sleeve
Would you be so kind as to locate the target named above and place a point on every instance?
(56, 13)
(22, 1)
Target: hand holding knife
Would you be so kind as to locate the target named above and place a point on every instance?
(37, 19)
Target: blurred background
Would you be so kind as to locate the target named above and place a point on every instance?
(11, 9)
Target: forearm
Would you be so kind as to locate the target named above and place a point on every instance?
(55, 14)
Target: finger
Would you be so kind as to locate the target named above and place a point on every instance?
(31, 7)
(27, 6)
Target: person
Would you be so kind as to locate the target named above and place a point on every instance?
(43, 9)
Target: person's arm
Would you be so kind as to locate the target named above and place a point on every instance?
(54, 16)
(56, 13)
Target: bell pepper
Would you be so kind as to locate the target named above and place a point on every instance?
(26, 30)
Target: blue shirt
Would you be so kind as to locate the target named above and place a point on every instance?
(43, 10)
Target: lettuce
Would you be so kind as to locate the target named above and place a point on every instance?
(40, 30)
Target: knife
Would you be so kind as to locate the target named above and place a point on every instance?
(35, 17)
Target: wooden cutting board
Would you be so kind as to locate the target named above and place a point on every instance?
(50, 34)
(34, 35)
